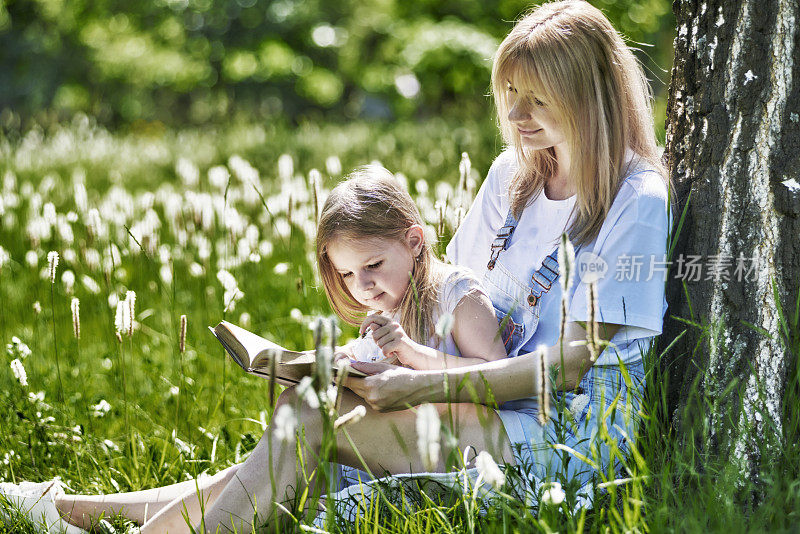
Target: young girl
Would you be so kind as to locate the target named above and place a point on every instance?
(373, 256)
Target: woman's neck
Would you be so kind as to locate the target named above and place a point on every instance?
(560, 186)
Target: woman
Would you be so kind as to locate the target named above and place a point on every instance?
(574, 108)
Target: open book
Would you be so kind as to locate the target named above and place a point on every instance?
(253, 353)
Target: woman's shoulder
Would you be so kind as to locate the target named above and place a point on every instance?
(503, 168)
(643, 188)
(641, 178)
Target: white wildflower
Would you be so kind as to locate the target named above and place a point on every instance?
(553, 495)
(324, 359)
(18, 348)
(285, 167)
(243, 170)
(165, 273)
(305, 391)
(52, 265)
(187, 171)
(100, 409)
(92, 259)
(328, 395)
(121, 317)
(489, 470)
(31, 258)
(543, 384)
(333, 165)
(353, 416)
(68, 279)
(19, 372)
(130, 304)
(445, 325)
(4, 257)
(90, 285)
(196, 270)
(94, 224)
(182, 334)
(75, 307)
(245, 320)
(281, 268)
(464, 170)
(49, 213)
(218, 177)
(226, 279)
(296, 315)
(566, 261)
(284, 423)
(428, 427)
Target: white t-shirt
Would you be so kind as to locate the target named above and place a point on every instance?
(635, 227)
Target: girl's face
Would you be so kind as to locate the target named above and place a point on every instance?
(376, 271)
(534, 120)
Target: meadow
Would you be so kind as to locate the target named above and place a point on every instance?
(216, 224)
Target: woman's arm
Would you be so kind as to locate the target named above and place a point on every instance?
(507, 379)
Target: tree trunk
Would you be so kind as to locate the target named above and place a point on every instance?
(733, 143)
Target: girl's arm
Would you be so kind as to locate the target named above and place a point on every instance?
(475, 329)
(507, 378)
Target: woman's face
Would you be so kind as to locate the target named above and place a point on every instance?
(375, 271)
(533, 119)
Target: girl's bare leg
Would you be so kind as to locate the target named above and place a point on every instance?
(139, 506)
(250, 492)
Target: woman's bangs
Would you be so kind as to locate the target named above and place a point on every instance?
(523, 71)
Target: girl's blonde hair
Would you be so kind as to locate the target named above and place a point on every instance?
(571, 58)
(371, 204)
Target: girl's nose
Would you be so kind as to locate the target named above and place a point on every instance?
(365, 283)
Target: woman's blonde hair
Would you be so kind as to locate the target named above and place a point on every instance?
(371, 204)
(570, 57)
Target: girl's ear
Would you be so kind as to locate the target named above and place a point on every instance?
(415, 238)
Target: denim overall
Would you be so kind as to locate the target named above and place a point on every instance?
(518, 302)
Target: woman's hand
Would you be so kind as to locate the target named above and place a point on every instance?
(388, 387)
(393, 340)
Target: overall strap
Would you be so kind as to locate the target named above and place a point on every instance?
(501, 241)
(543, 279)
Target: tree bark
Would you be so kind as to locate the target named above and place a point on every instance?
(733, 143)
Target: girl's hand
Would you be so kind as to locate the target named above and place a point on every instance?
(393, 340)
(342, 353)
(389, 387)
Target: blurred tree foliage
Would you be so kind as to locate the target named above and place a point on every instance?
(199, 61)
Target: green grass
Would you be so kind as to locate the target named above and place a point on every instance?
(173, 416)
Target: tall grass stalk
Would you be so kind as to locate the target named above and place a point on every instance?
(181, 350)
(52, 264)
